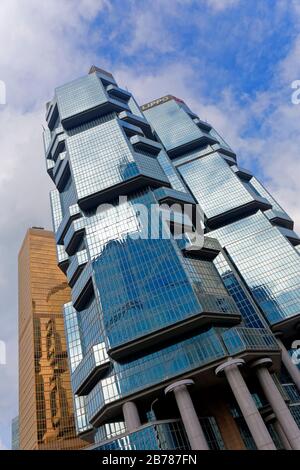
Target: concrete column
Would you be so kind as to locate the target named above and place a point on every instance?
(245, 401)
(284, 440)
(188, 414)
(131, 416)
(280, 409)
(289, 365)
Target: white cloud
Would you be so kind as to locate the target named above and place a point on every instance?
(43, 43)
(289, 69)
(147, 86)
(146, 28)
(148, 33)
(220, 5)
(2, 445)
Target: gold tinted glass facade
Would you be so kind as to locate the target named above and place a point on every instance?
(45, 399)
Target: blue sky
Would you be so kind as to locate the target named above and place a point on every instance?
(233, 61)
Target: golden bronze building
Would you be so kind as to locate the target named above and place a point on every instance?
(45, 400)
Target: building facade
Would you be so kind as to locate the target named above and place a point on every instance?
(46, 416)
(169, 344)
(15, 439)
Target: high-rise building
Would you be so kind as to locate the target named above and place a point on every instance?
(253, 229)
(15, 440)
(169, 344)
(46, 416)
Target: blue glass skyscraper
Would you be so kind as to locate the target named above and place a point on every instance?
(169, 340)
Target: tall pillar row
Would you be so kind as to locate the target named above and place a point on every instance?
(284, 423)
(252, 416)
(274, 397)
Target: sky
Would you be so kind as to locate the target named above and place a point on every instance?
(232, 61)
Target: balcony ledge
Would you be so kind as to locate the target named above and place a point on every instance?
(125, 187)
(136, 121)
(146, 145)
(92, 378)
(117, 92)
(232, 215)
(173, 331)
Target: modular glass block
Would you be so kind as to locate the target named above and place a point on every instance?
(118, 164)
(214, 185)
(80, 96)
(268, 263)
(150, 289)
(92, 174)
(173, 126)
(143, 281)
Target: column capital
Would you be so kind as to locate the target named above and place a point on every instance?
(229, 363)
(131, 416)
(178, 384)
(264, 362)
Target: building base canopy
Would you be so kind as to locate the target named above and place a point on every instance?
(203, 378)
